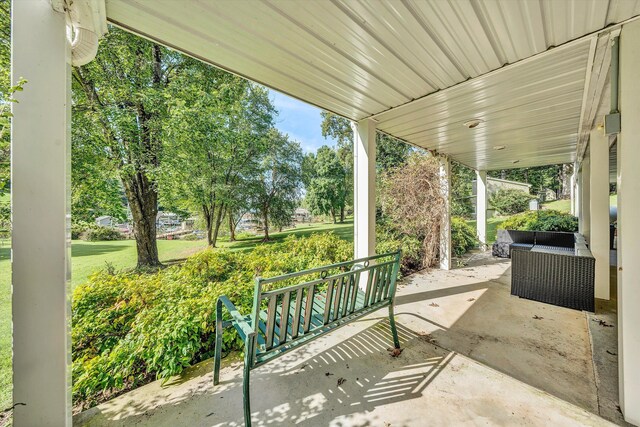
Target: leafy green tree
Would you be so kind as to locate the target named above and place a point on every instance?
(123, 95)
(390, 152)
(326, 192)
(277, 189)
(217, 137)
(462, 190)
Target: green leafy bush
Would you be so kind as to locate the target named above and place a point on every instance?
(390, 240)
(101, 234)
(94, 232)
(510, 201)
(131, 327)
(463, 236)
(544, 220)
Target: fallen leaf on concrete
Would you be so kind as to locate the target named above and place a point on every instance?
(612, 353)
(538, 317)
(394, 352)
(341, 381)
(603, 323)
(433, 304)
(327, 374)
(471, 299)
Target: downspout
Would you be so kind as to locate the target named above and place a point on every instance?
(615, 63)
(612, 121)
(86, 24)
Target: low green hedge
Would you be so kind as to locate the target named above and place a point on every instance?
(510, 201)
(543, 220)
(463, 236)
(131, 327)
(94, 232)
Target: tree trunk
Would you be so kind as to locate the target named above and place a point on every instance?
(341, 213)
(143, 201)
(207, 213)
(219, 216)
(265, 218)
(232, 228)
(333, 214)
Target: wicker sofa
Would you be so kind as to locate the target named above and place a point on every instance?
(552, 267)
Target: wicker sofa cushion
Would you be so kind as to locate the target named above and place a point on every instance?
(555, 238)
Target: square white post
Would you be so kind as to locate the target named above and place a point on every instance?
(585, 197)
(573, 193)
(445, 228)
(364, 194)
(40, 192)
(481, 208)
(599, 210)
(577, 203)
(628, 224)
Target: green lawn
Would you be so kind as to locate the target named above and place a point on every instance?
(492, 227)
(88, 257)
(558, 205)
(565, 205)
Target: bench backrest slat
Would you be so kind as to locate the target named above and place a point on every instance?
(295, 311)
(271, 320)
(308, 310)
(284, 317)
(295, 325)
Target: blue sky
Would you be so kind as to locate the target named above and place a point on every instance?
(301, 121)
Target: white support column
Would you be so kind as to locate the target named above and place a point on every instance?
(573, 193)
(481, 208)
(599, 210)
(628, 224)
(577, 203)
(364, 194)
(445, 229)
(40, 191)
(585, 197)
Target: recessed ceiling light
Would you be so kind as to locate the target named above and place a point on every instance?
(516, 161)
(473, 123)
(499, 147)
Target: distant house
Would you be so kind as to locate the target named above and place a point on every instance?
(165, 220)
(249, 221)
(302, 215)
(105, 221)
(496, 184)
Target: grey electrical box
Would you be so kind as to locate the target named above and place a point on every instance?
(534, 205)
(612, 123)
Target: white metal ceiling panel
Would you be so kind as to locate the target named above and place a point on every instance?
(359, 58)
(531, 108)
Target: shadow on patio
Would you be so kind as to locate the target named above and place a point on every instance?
(472, 353)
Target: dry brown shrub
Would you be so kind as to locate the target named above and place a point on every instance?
(412, 198)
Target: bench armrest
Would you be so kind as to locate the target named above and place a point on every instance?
(238, 319)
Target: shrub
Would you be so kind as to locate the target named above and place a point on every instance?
(77, 228)
(101, 234)
(510, 201)
(411, 199)
(94, 232)
(544, 220)
(463, 236)
(131, 327)
(190, 236)
(390, 240)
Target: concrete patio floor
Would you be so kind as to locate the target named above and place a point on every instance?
(473, 355)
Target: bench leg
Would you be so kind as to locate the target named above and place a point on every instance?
(218, 344)
(246, 395)
(394, 331)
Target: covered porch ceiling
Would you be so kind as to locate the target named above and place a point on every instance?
(528, 68)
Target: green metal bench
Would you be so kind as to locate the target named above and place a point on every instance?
(286, 318)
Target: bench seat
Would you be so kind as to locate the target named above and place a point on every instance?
(286, 318)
